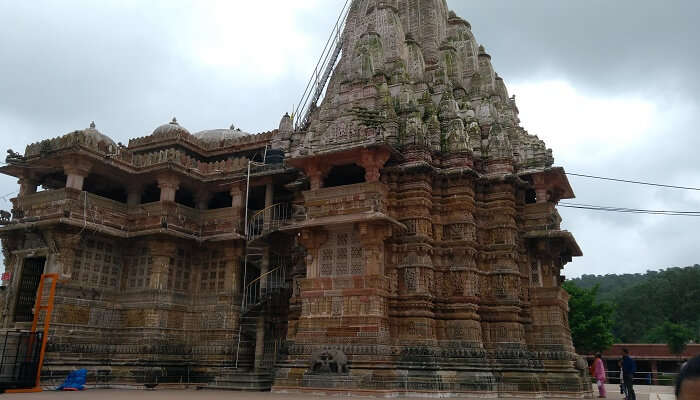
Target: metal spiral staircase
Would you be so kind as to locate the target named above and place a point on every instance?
(263, 291)
(260, 295)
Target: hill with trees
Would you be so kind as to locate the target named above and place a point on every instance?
(655, 307)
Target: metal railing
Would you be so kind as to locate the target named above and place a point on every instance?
(256, 291)
(322, 71)
(643, 378)
(19, 359)
(267, 220)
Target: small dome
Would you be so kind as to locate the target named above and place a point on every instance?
(217, 135)
(170, 127)
(286, 123)
(92, 132)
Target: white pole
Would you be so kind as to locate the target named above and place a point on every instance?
(245, 260)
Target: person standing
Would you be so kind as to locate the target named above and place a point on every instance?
(688, 383)
(629, 367)
(599, 374)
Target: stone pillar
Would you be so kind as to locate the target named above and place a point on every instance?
(259, 342)
(237, 203)
(372, 237)
(264, 268)
(161, 252)
(232, 254)
(269, 196)
(133, 195)
(372, 161)
(76, 171)
(315, 177)
(312, 240)
(202, 199)
(168, 185)
(65, 257)
(26, 186)
(260, 323)
(654, 372)
(540, 188)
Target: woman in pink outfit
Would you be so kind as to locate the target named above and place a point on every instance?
(599, 374)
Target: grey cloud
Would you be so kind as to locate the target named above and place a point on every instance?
(622, 45)
(123, 65)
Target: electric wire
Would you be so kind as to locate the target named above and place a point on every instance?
(633, 181)
(593, 207)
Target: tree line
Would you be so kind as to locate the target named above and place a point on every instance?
(654, 307)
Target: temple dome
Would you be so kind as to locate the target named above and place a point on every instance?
(96, 135)
(169, 128)
(217, 135)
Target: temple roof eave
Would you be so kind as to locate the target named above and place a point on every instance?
(22, 226)
(114, 166)
(563, 237)
(338, 156)
(373, 216)
(555, 178)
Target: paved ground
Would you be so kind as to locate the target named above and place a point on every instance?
(643, 393)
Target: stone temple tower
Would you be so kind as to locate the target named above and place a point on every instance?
(433, 246)
(403, 238)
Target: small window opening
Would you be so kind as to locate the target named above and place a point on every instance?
(104, 187)
(256, 198)
(150, 193)
(342, 175)
(26, 290)
(220, 200)
(530, 196)
(185, 197)
(53, 181)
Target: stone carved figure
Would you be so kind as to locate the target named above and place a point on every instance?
(457, 139)
(414, 131)
(329, 361)
(13, 156)
(298, 212)
(5, 217)
(499, 145)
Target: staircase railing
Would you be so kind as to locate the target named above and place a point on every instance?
(255, 292)
(322, 72)
(268, 219)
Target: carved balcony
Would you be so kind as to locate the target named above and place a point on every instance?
(344, 204)
(93, 212)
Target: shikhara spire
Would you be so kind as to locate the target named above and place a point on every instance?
(406, 238)
(414, 71)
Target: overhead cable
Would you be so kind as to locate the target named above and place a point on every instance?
(629, 210)
(633, 181)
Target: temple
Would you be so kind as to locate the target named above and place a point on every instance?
(403, 238)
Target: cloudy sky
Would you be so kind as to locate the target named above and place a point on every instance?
(611, 86)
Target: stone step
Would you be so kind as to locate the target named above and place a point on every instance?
(242, 380)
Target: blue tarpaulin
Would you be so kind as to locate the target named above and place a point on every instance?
(74, 381)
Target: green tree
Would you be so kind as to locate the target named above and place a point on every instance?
(591, 322)
(676, 336)
(670, 295)
(643, 302)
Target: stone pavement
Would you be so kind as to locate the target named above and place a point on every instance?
(643, 393)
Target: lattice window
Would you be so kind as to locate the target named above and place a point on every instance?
(410, 277)
(140, 269)
(179, 270)
(97, 264)
(327, 262)
(535, 276)
(342, 255)
(357, 261)
(213, 273)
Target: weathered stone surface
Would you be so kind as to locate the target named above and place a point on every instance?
(414, 246)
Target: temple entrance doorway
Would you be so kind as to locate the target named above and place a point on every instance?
(28, 285)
